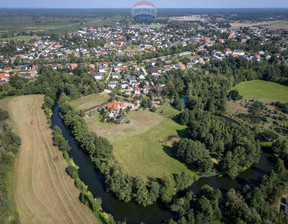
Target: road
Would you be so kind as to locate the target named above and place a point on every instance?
(48, 48)
(108, 77)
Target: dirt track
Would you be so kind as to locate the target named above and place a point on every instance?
(43, 192)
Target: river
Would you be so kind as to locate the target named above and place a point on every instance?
(133, 213)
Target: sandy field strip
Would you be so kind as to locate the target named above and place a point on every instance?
(43, 192)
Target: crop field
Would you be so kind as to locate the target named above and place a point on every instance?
(281, 24)
(266, 92)
(43, 192)
(138, 146)
(90, 101)
(18, 38)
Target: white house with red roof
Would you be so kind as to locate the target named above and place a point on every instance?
(137, 91)
(115, 107)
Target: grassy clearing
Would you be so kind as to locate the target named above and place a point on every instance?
(43, 192)
(167, 111)
(138, 146)
(90, 101)
(19, 38)
(266, 92)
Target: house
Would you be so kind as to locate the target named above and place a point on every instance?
(91, 69)
(137, 91)
(102, 70)
(132, 79)
(115, 76)
(74, 66)
(118, 42)
(228, 51)
(119, 63)
(4, 77)
(221, 41)
(24, 68)
(115, 107)
(154, 72)
(238, 52)
(166, 68)
(136, 67)
(123, 84)
(98, 77)
(105, 64)
(141, 75)
(145, 90)
(125, 68)
(127, 92)
(7, 69)
(180, 65)
(112, 84)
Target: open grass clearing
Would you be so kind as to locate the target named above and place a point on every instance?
(19, 38)
(87, 102)
(139, 146)
(43, 191)
(264, 91)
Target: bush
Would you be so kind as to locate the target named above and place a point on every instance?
(153, 109)
(71, 170)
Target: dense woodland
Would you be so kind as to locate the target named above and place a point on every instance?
(235, 147)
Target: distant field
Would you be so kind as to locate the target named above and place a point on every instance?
(138, 146)
(90, 101)
(19, 38)
(150, 26)
(43, 191)
(263, 91)
(281, 24)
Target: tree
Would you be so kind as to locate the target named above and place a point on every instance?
(234, 95)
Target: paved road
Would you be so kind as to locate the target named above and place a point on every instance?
(48, 48)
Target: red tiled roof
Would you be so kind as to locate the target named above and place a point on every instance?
(114, 105)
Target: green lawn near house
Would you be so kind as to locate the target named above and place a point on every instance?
(139, 147)
(88, 102)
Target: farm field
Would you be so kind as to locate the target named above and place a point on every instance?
(90, 101)
(43, 191)
(138, 146)
(264, 91)
(270, 25)
(19, 38)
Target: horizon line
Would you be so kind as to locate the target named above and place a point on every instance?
(131, 7)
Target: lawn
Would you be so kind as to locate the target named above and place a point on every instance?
(264, 91)
(138, 146)
(88, 102)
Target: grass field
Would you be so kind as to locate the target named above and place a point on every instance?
(266, 92)
(281, 24)
(18, 38)
(138, 146)
(43, 192)
(153, 25)
(90, 101)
